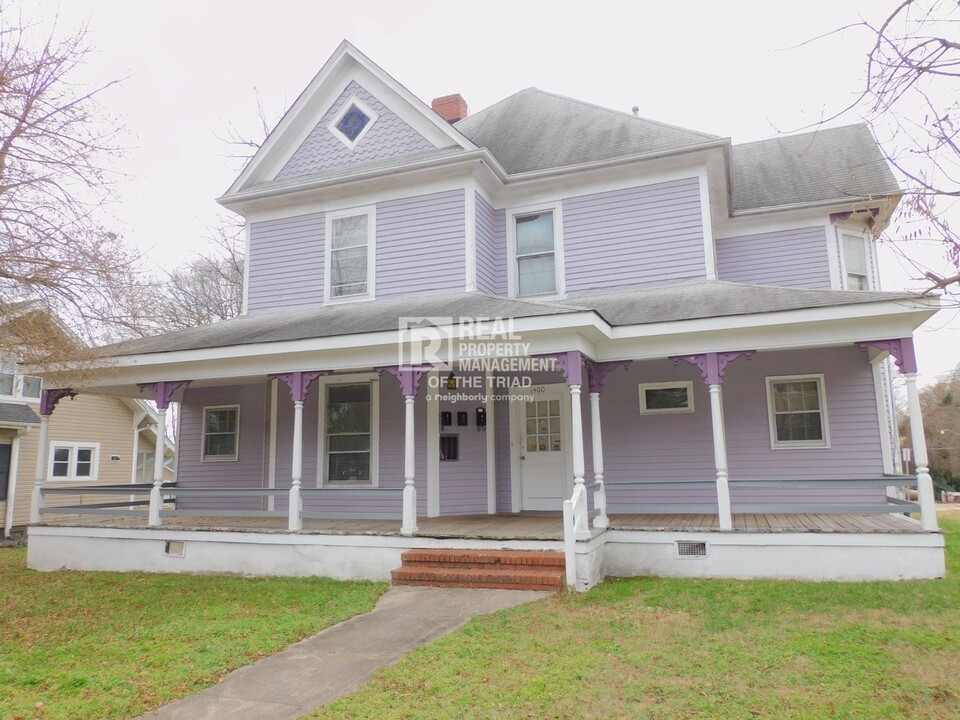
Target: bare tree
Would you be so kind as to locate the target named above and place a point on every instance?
(911, 98)
(55, 144)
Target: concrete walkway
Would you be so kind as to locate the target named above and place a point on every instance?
(318, 670)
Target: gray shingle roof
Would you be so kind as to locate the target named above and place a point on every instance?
(636, 307)
(536, 130)
(828, 164)
(18, 414)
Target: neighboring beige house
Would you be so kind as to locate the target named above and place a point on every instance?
(93, 439)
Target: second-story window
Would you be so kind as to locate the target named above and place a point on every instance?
(536, 254)
(855, 262)
(350, 254)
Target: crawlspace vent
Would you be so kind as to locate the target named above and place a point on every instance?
(691, 548)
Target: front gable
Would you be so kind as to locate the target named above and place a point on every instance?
(393, 124)
(377, 133)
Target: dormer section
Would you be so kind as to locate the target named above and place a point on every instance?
(357, 129)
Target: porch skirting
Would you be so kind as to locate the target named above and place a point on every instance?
(856, 556)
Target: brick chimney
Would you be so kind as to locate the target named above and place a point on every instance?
(450, 107)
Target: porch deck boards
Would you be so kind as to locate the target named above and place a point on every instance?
(523, 526)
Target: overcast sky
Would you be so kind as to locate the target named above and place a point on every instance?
(738, 69)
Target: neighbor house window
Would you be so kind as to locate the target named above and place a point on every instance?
(221, 433)
(666, 397)
(855, 262)
(798, 411)
(536, 258)
(348, 433)
(73, 461)
(30, 387)
(24, 387)
(352, 121)
(350, 254)
(6, 383)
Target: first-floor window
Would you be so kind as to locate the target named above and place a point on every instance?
(348, 423)
(221, 433)
(666, 397)
(73, 461)
(798, 411)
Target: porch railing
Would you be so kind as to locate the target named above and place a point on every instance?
(136, 503)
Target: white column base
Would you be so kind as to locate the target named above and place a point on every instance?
(927, 499)
(295, 510)
(409, 526)
(156, 500)
(601, 521)
(36, 500)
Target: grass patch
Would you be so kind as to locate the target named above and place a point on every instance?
(114, 645)
(664, 649)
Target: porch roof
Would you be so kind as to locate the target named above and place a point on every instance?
(690, 301)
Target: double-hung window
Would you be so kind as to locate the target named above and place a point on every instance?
(537, 264)
(221, 433)
(798, 411)
(73, 461)
(348, 434)
(20, 387)
(855, 262)
(350, 254)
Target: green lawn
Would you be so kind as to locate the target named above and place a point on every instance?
(679, 649)
(112, 645)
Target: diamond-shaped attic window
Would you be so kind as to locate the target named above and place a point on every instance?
(352, 123)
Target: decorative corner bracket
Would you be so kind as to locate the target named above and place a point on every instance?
(409, 376)
(300, 381)
(164, 390)
(902, 349)
(570, 365)
(50, 398)
(598, 371)
(834, 217)
(712, 365)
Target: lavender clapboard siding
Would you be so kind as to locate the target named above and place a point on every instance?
(420, 245)
(286, 263)
(792, 258)
(634, 237)
(491, 248)
(463, 482)
(392, 431)
(679, 447)
(250, 468)
(388, 137)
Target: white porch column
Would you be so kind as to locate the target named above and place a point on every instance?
(295, 507)
(156, 498)
(491, 439)
(925, 496)
(600, 494)
(720, 458)
(36, 501)
(576, 430)
(409, 526)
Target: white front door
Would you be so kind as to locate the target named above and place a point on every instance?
(541, 446)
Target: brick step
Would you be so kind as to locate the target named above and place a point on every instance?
(484, 558)
(508, 578)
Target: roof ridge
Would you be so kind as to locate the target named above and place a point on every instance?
(625, 114)
(802, 134)
(490, 107)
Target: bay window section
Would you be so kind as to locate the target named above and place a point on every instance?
(536, 254)
(855, 261)
(348, 434)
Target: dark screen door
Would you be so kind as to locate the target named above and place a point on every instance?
(4, 470)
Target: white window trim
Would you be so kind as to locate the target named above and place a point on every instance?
(558, 265)
(366, 109)
(371, 212)
(72, 468)
(687, 384)
(322, 383)
(17, 389)
(867, 254)
(776, 444)
(203, 436)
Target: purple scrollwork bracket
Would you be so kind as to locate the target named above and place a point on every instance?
(50, 398)
(409, 376)
(712, 365)
(570, 364)
(300, 381)
(598, 371)
(902, 349)
(164, 390)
